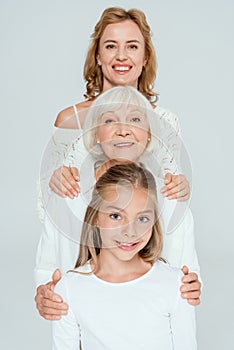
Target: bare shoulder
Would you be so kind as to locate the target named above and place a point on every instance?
(67, 118)
(64, 118)
(83, 105)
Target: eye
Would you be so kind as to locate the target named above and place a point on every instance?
(136, 119)
(133, 47)
(143, 219)
(110, 46)
(115, 216)
(109, 120)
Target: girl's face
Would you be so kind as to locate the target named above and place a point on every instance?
(125, 219)
(121, 54)
(123, 134)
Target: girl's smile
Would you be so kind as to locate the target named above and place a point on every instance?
(127, 246)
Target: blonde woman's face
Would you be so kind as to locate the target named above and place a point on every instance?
(121, 54)
(123, 134)
(125, 219)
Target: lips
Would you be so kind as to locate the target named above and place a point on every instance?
(124, 144)
(126, 246)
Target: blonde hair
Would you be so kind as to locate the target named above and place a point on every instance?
(92, 71)
(112, 100)
(125, 175)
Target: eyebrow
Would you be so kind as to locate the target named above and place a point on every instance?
(110, 207)
(128, 41)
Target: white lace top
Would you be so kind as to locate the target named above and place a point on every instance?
(66, 148)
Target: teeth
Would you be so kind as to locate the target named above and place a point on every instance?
(121, 68)
(126, 244)
(124, 144)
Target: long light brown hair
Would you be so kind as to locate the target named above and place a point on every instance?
(92, 71)
(123, 175)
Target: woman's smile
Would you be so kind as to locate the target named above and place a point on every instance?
(124, 144)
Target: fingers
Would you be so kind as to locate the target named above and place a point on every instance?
(168, 178)
(193, 297)
(64, 183)
(191, 289)
(190, 278)
(75, 174)
(49, 304)
(56, 276)
(178, 187)
(194, 302)
(185, 270)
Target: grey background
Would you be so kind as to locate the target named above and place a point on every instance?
(43, 45)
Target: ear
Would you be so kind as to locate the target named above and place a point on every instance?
(98, 59)
(145, 61)
(97, 137)
(149, 136)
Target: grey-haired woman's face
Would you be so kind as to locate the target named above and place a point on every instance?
(123, 133)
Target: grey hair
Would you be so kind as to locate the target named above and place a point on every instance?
(111, 100)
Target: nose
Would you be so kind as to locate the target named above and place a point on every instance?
(129, 230)
(121, 54)
(123, 130)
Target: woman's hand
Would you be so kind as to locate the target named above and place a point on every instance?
(176, 187)
(64, 182)
(191, 288)
(49, 304)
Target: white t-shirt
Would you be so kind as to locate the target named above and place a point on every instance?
(145, 313)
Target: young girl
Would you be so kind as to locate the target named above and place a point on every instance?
(122, 295)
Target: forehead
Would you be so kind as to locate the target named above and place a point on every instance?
(127, 197)
(124, 110)
(122, 31)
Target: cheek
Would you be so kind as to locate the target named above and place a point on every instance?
(143, 137)
(102, 134)
(139, 58)
(145, 231)
(105, 57)
(148, 235)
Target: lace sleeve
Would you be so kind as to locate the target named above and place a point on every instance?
(55, 155)
(168, 148)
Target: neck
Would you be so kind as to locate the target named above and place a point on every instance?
(111, 269)
(109, 85)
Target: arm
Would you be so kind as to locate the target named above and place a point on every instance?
(65, 332)
(64, 179)
(46, 256)
(183, 326)
(49, 305)
(169, 154)
(179, 250)
(65, 132)
(53, 158)
(191, 288)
